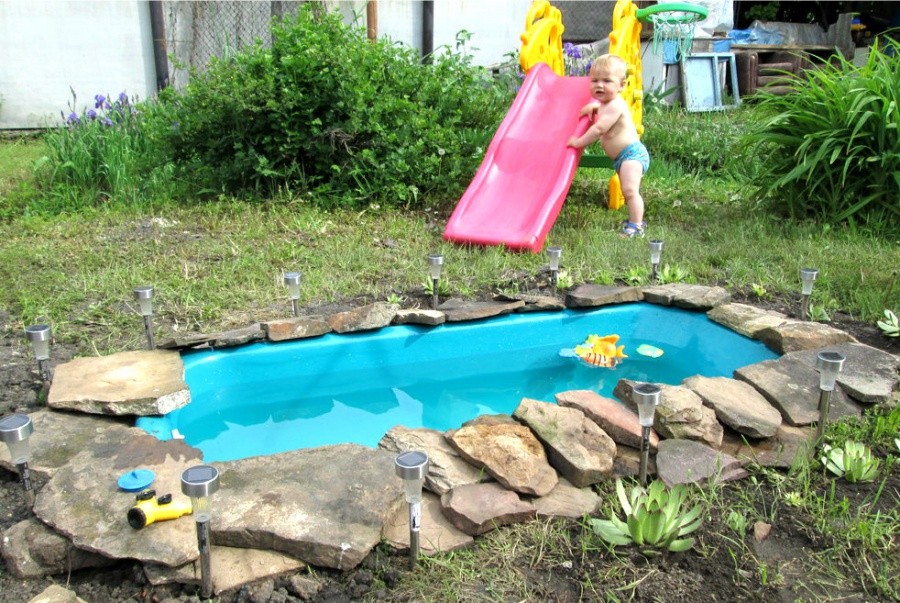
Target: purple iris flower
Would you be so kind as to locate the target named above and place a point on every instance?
(100, 101)
(123, 98)
(73, 119)
(107, 121)
(92, 114)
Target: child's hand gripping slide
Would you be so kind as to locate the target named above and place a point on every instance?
(149, 509)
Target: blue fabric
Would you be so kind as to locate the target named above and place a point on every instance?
(636, 151)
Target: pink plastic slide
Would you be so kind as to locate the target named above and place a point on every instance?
(517, 192)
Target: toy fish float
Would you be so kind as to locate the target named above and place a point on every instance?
(598, 351)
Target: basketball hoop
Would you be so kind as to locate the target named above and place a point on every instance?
(673, 24)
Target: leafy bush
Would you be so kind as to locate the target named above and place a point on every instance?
(830, 148)
(327, 110)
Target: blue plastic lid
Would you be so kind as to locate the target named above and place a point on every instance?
(136, 480)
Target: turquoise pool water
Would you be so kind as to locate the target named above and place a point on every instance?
(267, 398)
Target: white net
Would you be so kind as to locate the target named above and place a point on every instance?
(673, 31)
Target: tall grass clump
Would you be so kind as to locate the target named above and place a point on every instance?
(327, 111)
(829, 149)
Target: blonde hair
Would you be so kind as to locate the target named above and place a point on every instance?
(610, 63)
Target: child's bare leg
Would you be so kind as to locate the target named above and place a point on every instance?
(630, 174)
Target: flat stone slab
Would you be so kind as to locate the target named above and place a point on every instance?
(869, 375)
(230, 568)
(689, 297)
(436, 533)
(794, 336)
(83, 502)
(431, 318)
(590, 296)
(680, 414)
(533, 303)
(31, 549)
(365, 318)
(479, 508)
(792, 387)
(446, 469)
(301, 327)
(619, 422)
(145, 382)
(457, 310)
(687, 461)
(737, 404)
(325, 506)
(565, 500)
(746, 320)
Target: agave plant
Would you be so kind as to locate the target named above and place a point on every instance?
(655, 519)
(854, 462)
(890, 326)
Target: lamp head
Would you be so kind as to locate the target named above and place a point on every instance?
(144, 297)
(39, 336)
(553, 254)
(435, 262)
(656, 247)
(14, 431)
(199, 482)
(829, 365)
(807, 278)
(292, 281)
(411, 467)
(646, 396)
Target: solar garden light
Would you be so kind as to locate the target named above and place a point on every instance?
(15, 431)
(411, 467)
(39, 336)
(144, 297)
(435, 262)
(199, 482)
(292, 281)
(656, 247)
(829, 365)
(554, 253)
(807, 278)
(646, 396)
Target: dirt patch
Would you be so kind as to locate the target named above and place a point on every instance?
(728, 563)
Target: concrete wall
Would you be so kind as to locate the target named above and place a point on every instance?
(50, 46)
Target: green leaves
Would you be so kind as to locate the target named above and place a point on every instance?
(655, 519)
(854, 462)
(890, 326)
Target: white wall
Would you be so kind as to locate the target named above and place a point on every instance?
(93, 46)
(495, 25)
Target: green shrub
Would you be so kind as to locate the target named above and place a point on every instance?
(326, 110)
(830, 150)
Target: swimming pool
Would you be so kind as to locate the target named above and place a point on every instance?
(267, 398)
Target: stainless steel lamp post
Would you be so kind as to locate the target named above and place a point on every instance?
(39, 336)
(554, 254)
(435, 263)
(646, 396)
(144, 297)
(829, 365)
(292, 281)
(412, 467)
(807, 278)
(199, 482)
(14, 431)
(656, 247)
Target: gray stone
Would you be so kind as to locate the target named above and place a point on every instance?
(446, 469)
(746, 320)
(689, 297)
(325, 506)
(146, 382)
(680, 414)
(436, 533)
(792, 387)
(235, 337)
(458, 310)
(565, 500)
(619, 422)
(304, 587)
(576, 446)
(737, 404)
(56, 594)
(869, 375)
(58, 436)
(82, 501)
(780, 451)
(420, 317)
(628, 462)
(231, 568)
(191, 341)
(31, 549)
(479, 508)
(686, 461)
(794, 336)
(301, 327)
(510, 453)
(366, 318)
(533, 303)
(589, 296)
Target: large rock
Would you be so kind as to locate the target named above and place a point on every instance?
(436, 533)
(301, 327)
(686, 461)
(325, 506)
(31, 549)
(147, 382)
(869, 375)
(590, 296)
(446, 469)
(792, 387)
(365, 318)
(746, 320)
(689, 297)
(619, 422)
(680, 415)
(576, 446)
(230, 568)
(479, 508)
(418, 316)
(533, 303)
(56, 594)
(82, 500)
(509, 452)
(737, 404)
(58, 436)
(457, 310)
(794, 336)
(565, 500)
